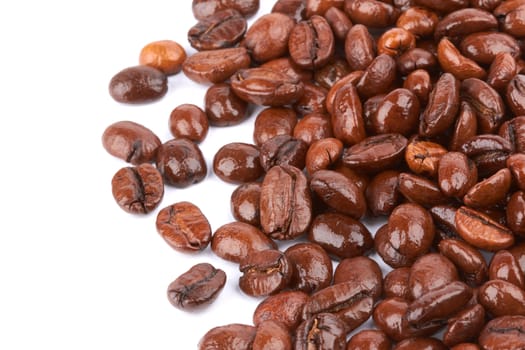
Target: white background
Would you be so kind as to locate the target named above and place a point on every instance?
(77, 272)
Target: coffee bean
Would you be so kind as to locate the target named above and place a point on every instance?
(204, 8)
(311, 43)
(503, 332)
(323, 331)
(273, 121)
(237, 162)
(223, 107)
(188, 121)
(244, 203)
(164, 55)
(231, 336)
(285, 306)
(138, 84)
(221, 30)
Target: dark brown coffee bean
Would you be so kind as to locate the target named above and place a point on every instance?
(505, 266)
(262, 86)
(189, 121)
(487, 104)
(464, 326)
(414, 59)
(442, 108)
(184, 227)
(334, 71)
(516, 164)
(511, 16)
(360, 47)
(164, 55)
(429, 272)
(264, 273)
(445, 6)
(238, 162)
(131, 142)
(338, 192)
(199, 286)
(445, 220)
(312, 267)
(501, 71)
(419, 21)
(223, 107)
(347, 116)
(420, 84)
(360, 270)
(233, 336)
(514, 211)
(369, 339)
(502, 298)
(311, 43)
(339, 22)
(398, 112)
(469, 260)
(513, 131)
(138, 190)
(273, 121)
(340, 235)
(464, 22)
(236, 240)
(322, 154)
(481, 231)
(382, 194)
(378, 77)
(285, 306)
(351, 78)
(313, 127)
(515, 95)
(489, 152)
(452, 61)
(483, 47)
(286, 205)
(181, 163)
(215, 66)
(506, 332)
(371, 13)
(395, 283)
(272, 334)
(489, 191)
(376, 153)
(323, 331)
(283, 150)
(138, 84)
(244, 203)
(421, 190)
(456, 174)
(313, 100)
(423, 157)
(204, 8)
(395, 42)
(267, 37)
(221, 30)
(465, 127)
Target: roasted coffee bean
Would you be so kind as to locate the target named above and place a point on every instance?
(323, 154)
(319, 7)
(347, 116)
(514, 211)
(139, 189)
(313, 127)
(184, 227)
(328, 75)
(236, 240)
(204, 8)
(267, 37)
(339, 22)
(338, 192)
(501, 71)
(505, 266)
(221, 30)
(421, 190)
(181, 163)
(465, 127)
(281, 150)
(293, 8)
(466, 346)
(502, 298)
(429, 272)
(376, 153)
(423, 157)
(420, 84)
(188, 121)
(452, 61)
(442, 108)
(414, 59)
(490, 191)
(487, 5)
(164, 55)
(456, 174)
(464, 326)
(198, 286)
(215, 66)
(262, 86)
(487, 104)
(244, 203)
(311, 43)
(445, 6)
(233, 336)
(312, 267)
(223, 107)
(395, 283)
(138, 84)
(511, 16)
(395, 42)
(420, 343)
(419, 21)
(481, 231)
(360, 47)
(382, 194)
(506, 332)
(372, 13)
(445, 220)
(360, 270)
(264, 273)
(285, 306)
(489, 152)
(378, 77)
(398, 112)
(483, 47)
(313, 100)
(516, 164)
(286, 204)
(469, 260)
(351, 78)
(287, 66)
(238, 162)
(513, 131)
(272, 334)
(464, 22)
(340, 235)
(369, 339)
(515, 95)
(323, 331)
(131, 142)
(273, 121)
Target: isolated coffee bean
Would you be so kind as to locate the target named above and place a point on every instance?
(506, 332)
(230, 336)
(189, 121)
(138, 84)
(138, 190)
(198, 286)
(164, 55)
(184, 227)
(488, 151)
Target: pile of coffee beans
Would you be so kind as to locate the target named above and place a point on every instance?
(408, 110)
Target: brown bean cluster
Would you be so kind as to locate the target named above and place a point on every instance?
(410, 110)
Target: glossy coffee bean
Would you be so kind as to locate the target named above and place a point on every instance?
(332, 72)
(414, 59)
(221, 30)
(197, 287)
(420, 84)
(501, 71)
(452, 61)
(283, 150)
(285, 307)
(313, 100)
(311, 43)
(323, 331)
(505, 266)
(513, 131)
(231, 336)
(236, 240)
(382, 194)
(223, 107)
(465, 326)
(464, 22)
(456, 174)
(369, 339)
(237, 162)
(429, 272)
(395, 283)
(502, 298)
(352, 78)
(188, 121)
(204, 8)
(465, 127)
(378, 77)
(395, 42)
(514, 211)
(181, 163)
(339, 22)
(372, 13)
(483, 47)
(469, 261)
(421, 190)
(292, 8)
(445, 220)
(319, 7)
(131, 142)
(420, 343)
(313, 127)
(360, 270)
(419, 21)
(264, 273)
(487, 104)
(273, 121)
(490, 191)
(244, 203)
(139, 189)
(506, 332)
(515, 95)
(443, 6)
(272, 334)
(423, 157)
(488, 151)
(347, 116)
(287, 66)
(184, 227)
(360, 47)
(138, 84)
(398, 112)
(164, 55)
(323, 154)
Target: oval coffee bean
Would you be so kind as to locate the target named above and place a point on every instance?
(501, 71)
(505, 266)
(487, 104)
(221, 30)
(483, 47)
(281, 150)
(272, 334)
(514, 211)
(164, 55)
(398, 112)
(502, 298)
(359, 47)
(347, 116)
(323, 153)
(515, 95)
(464, 326)
(418, 20)
(138, 84)
(429, 272)
(285, 307)
(395, 283)
(456, 174)
(198, 286)
(372, 13)
(489, 191)
(237, 162)
(415, 59)
(395, 42)
(189, 121)
(423, 157)
(420, 190)
(468, 259)
(513, 131)
(378, 77)
(223, 107)
(369, 339)
(465, 21)
(184, 227)
(506, 332)
(382, 194)
(273, 121)
(465, 128)
(324, 331)
(452, 61)
(444, 6)
(204, 8)
(360, 270)
(244, 203)
(229, 337)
